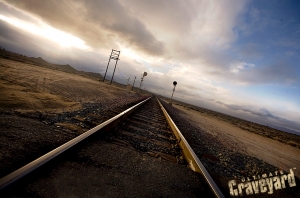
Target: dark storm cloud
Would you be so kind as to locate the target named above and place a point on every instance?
(7, 31)
(168, 15)
(9, 11)
(10, 39)
(37, 46)
(96, 22)
(192, 42)
(114, 17)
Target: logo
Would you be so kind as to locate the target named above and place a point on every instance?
(265, 183)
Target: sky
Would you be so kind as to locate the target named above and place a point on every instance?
(236, 57)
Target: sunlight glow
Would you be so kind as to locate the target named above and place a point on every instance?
(130, 53)
(42, 29)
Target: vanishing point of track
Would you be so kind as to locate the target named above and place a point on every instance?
(138, 152)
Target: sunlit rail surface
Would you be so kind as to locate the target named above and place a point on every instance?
(139, 152)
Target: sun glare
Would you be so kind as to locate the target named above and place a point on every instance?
(42, 29)
(129, 53)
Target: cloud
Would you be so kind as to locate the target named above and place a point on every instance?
(189, 31)
(208, 47)
(99, 23)
(264, 114)
(237, 66)
(198, 34)
(38, 46)
(280, 72)
(117, 19)
(33, 45)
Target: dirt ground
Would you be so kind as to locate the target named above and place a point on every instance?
(29, 87)
(31, 96)
(271, 151)
(30, 93)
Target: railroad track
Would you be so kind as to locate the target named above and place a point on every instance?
(139, 152)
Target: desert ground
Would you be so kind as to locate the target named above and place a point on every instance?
(29, 87)
(274, 152)
(40, 103)
(39, 107)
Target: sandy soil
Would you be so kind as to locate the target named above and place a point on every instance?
(26, 133)
(271, 151)
(35, 90)
(41, 108)
(29, 87)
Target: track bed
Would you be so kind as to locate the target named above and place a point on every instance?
(138, 158)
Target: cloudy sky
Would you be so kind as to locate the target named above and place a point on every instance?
(237, 57)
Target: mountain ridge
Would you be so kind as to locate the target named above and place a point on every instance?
(43, 63)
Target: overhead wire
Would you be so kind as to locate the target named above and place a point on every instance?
(121, 74)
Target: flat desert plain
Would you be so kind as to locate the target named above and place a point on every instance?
(30, 87)
(39, 107)
(36, 102)
(274, 152)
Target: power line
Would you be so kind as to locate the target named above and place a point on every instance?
(121, 74)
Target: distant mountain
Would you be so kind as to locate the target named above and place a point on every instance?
(42, 63)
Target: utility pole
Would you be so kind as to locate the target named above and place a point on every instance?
(128, 81)
(115, 56)
(107, 64)
(174, 83)
(142, 78)
(133, 83)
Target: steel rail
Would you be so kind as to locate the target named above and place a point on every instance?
(21, 172)
(190, 156)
